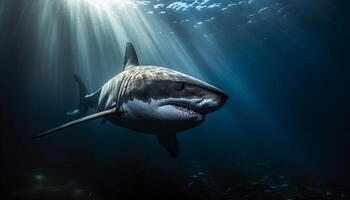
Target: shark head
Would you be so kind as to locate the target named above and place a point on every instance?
(165, 99)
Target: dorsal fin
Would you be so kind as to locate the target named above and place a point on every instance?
(130, 57)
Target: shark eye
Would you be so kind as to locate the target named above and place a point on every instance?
(180, 86)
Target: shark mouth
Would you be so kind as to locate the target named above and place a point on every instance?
(186, 110)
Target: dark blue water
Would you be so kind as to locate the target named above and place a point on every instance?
(283, 134)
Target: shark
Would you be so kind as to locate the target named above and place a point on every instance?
(148, 99)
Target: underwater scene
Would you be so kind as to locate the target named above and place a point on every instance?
(174, 99)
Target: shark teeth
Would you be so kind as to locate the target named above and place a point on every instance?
(185, 110)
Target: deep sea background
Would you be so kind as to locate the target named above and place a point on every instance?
(283, 134)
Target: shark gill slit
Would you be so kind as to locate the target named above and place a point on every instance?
(120, 88)
(123, 87)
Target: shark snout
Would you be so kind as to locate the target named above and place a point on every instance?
(212, 101)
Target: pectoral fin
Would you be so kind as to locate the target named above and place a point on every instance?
(76, 122)
(170, 143)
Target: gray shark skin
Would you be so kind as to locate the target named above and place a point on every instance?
(149, 99)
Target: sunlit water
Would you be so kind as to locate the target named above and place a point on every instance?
(263, 53)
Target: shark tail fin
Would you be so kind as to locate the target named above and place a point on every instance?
(84, 98)
(76, 122)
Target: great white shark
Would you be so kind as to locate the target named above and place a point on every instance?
(148, 99)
